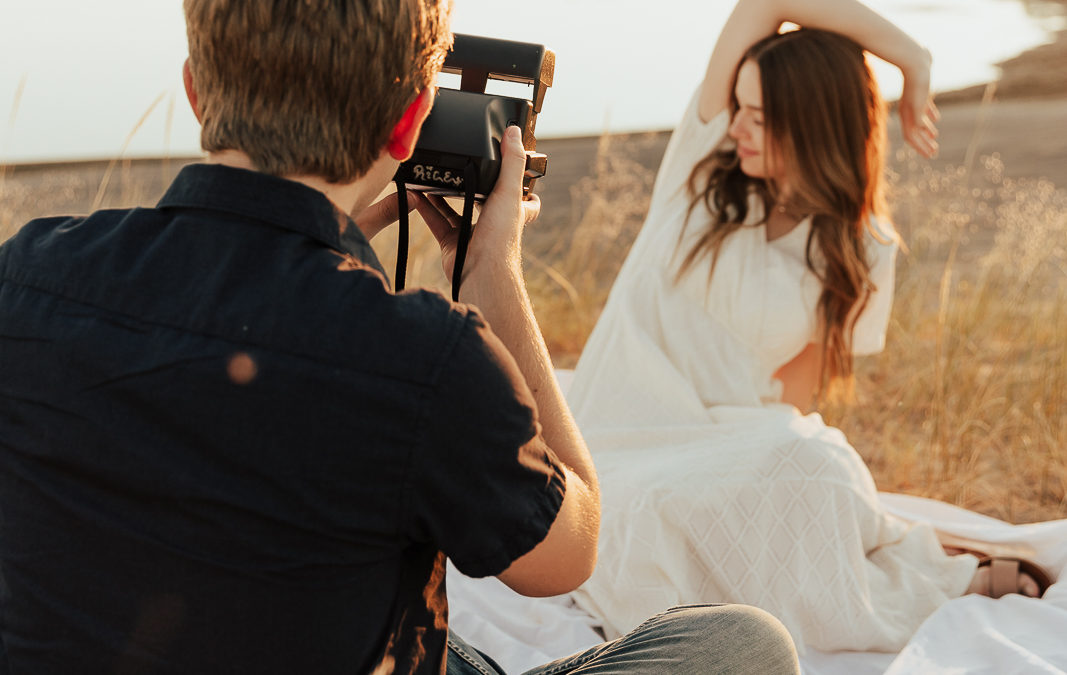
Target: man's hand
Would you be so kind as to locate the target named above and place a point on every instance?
(381, 214)
(495, 248)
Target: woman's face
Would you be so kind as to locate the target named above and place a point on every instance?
(746, 128)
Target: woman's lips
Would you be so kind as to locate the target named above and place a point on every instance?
(746, 152)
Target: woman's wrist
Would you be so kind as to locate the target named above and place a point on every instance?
(918, 63)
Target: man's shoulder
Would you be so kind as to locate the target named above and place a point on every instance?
(45, 239)
(418, 326)
(38, 231)
(245, 283)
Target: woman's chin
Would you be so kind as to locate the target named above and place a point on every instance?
(752, 168)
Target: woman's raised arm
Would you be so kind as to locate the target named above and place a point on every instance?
(752, 20)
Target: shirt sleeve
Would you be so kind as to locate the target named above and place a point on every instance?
(692, 140)
(485, 488)
(869, 334)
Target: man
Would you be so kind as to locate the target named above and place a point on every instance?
(226, 446)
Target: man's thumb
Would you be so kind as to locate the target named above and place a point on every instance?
(513, 160)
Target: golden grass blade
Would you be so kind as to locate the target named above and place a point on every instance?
(979, 127)
(99, 199)
(15, 105)
(556, 276)
(168, 128)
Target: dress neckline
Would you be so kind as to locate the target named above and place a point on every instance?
(803, 224)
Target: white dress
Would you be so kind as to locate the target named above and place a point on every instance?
(714, 490)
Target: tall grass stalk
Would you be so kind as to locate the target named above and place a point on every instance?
(6, 225)
(168, 128)
(98, 200)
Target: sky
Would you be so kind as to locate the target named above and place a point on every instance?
(77, 77)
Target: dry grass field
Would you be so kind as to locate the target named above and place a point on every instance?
(969, 401)
(967, 404)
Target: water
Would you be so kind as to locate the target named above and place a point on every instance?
(77, 77)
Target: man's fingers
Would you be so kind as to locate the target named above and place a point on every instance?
(437, 222)
(512, 165)
(531, 207)
(444, 208)
(380, 215)
(512, 169)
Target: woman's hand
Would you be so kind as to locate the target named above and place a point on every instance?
(918, 114)
(752, 20)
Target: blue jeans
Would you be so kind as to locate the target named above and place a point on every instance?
(692, 639)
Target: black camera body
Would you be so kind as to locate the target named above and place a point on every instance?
(458, 151)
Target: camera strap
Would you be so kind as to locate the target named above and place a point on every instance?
(466, 229)
(466, 226)
(402, 237)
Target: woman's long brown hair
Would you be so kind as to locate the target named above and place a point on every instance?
(825, 117)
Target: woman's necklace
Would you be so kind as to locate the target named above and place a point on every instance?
(780, 223)
(783, 208)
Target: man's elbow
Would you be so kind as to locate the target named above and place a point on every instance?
(562, 575)
(567, 556)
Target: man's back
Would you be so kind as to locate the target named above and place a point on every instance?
(247, 443)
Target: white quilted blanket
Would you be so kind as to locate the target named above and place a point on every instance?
(966, 635)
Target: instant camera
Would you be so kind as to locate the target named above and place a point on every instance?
(458, 151)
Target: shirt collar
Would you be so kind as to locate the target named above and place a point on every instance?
(284, 203)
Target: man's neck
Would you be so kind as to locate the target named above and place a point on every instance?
(351, 198)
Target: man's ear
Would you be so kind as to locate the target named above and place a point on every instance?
(190, 92)
(402, 140)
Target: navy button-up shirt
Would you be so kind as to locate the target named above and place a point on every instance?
(226, 446)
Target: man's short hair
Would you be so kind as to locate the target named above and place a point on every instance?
(311, 87)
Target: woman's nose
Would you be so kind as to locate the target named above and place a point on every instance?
(736, 128)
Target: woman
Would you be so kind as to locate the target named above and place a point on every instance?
(765, 264)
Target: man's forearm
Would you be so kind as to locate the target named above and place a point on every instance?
(506, 306)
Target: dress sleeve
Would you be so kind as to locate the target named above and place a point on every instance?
(869, 335)
(692, 140)
(484, 487)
